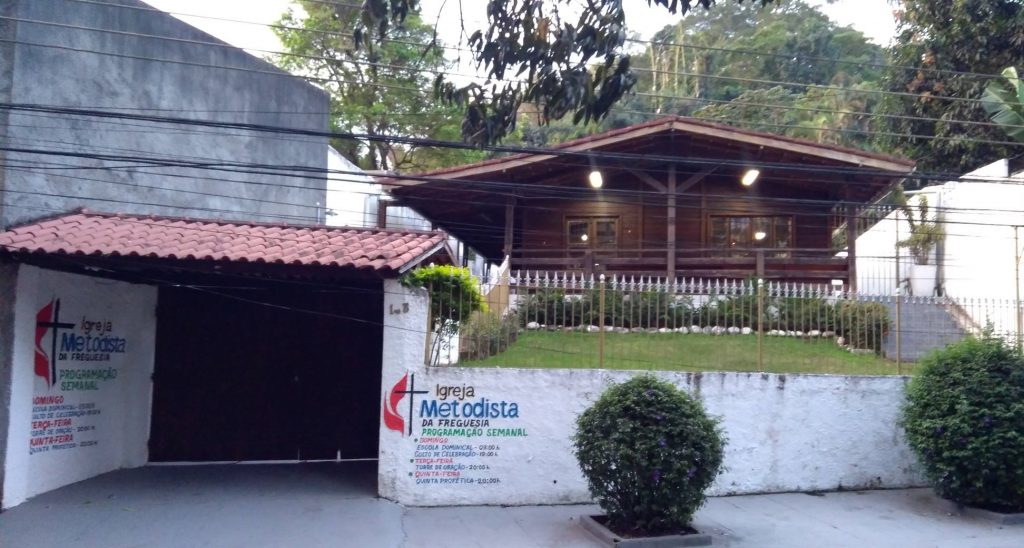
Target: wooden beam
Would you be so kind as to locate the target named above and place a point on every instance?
(510, 211)
(651, 181)
(670, 238)
(694, 179)
(382, 212)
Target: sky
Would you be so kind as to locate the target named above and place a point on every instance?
(242, 22)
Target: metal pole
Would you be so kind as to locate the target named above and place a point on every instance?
(1016, 284)
(760, 324)
(600, 326)
(899, 299)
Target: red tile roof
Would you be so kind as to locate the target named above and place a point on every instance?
(112, 235)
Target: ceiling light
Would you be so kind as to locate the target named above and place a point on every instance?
(595, 178)
(759, 235)
(750, 176)
(584, 238)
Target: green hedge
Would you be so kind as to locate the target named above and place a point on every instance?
(964, 417)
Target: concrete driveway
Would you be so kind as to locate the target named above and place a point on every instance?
(330, 504)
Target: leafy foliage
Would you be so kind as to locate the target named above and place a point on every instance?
(380, 89)
(486, 335)
(1004, 102)
(924, 234)
(648, 452)
(564, 57)
(864, 325)
(454, 297)
(942, 41)
(964, 418)
(702, 66)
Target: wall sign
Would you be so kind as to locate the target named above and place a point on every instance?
(76, 361)
(458, 434)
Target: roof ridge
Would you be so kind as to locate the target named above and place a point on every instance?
(234, 222)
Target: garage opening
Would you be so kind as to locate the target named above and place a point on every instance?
(281, 372)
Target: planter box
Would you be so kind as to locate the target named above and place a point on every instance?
(610, 539)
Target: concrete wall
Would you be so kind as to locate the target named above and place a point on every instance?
(121, 68)
(8, 300)
(93, 415)
(786, 432)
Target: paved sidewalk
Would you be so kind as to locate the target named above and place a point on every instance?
(326, 504)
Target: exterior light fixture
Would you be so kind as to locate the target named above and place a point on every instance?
(595, 178)
(584, 238)
(760, 235)
(750, 176)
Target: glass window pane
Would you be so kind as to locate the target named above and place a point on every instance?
(739, 232)
(762, 231)
(783, 231)
(719, 232)
(606, 233)
(578, 233)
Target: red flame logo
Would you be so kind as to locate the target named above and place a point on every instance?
(392, 419)
(44, 320)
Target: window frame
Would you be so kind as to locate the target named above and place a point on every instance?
(592, 241)
(770, 242)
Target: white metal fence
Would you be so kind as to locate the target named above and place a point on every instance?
(568, 320)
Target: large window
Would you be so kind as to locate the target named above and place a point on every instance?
(592, 232)
(737, 232)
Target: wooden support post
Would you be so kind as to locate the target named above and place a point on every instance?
(382, 212)
(670, 239)
(510, 211)
(759, 268)
(851, 246)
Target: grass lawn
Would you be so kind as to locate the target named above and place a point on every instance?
(677, 352)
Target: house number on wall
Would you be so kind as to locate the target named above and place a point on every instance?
(403, 309)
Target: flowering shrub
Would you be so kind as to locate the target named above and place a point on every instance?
(648, 452)
(964, 417)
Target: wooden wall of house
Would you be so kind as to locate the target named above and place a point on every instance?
(643, 221)
(543, 219)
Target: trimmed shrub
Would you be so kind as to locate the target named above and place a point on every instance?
(648, 451)
(454, 297)
(486, 335)
(964, 417)
(863, 324)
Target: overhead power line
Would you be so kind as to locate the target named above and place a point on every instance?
(659, 43)
(436, 72)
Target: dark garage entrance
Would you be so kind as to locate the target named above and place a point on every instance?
(278, 372)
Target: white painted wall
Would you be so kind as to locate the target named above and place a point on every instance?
(786, 432)
(977, 264)
(351, 194)
(113, 438)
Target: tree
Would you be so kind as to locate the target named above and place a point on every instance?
(380, 89)
(1004, 102)
(563, 57)
(940, 41)
(703, 65)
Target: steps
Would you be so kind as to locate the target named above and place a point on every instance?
(924, 327)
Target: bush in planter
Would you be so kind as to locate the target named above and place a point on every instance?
(648, 452)
(964, 418)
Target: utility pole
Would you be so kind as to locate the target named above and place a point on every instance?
(1016, 284)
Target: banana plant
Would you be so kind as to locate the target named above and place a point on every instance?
(1004, 102)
